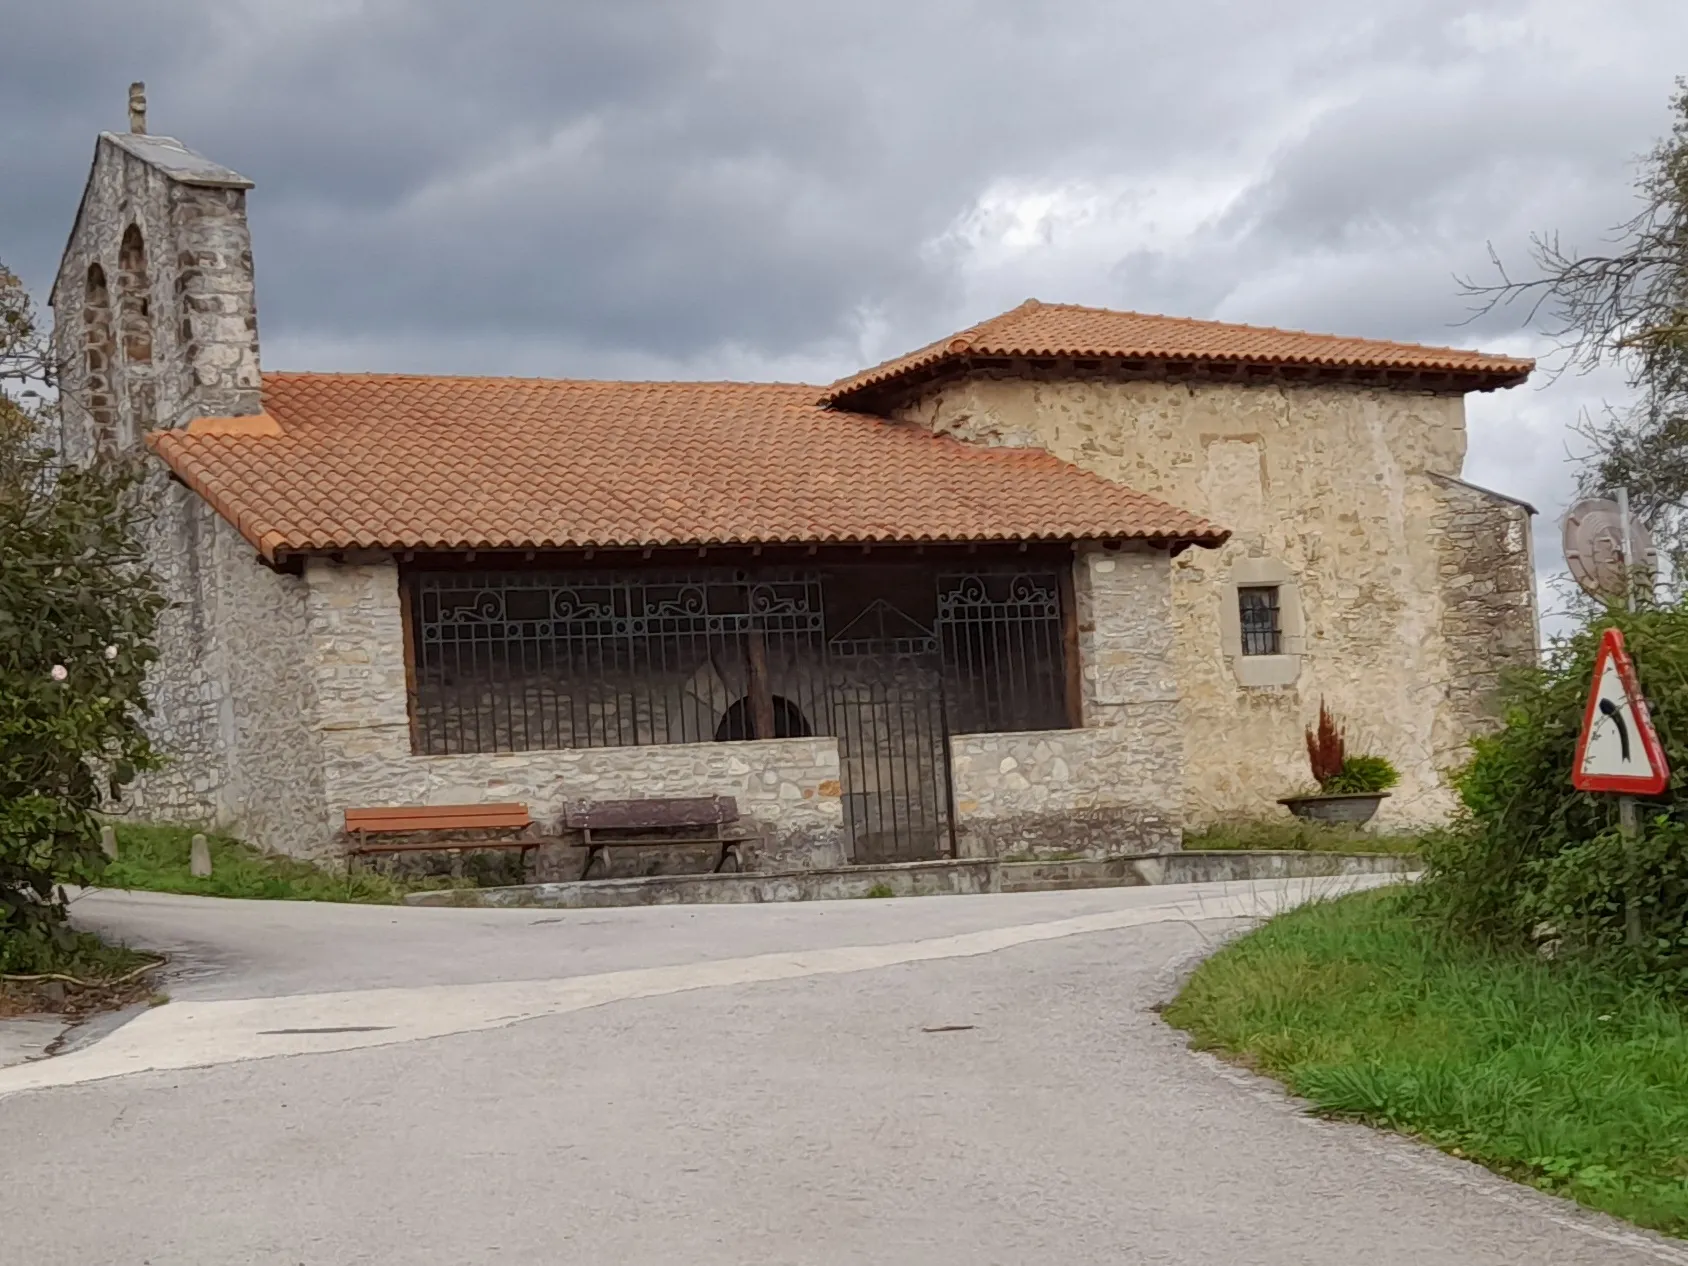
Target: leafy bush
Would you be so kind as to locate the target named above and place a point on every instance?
(1531, 857)
(1362, 775)
(77, 608)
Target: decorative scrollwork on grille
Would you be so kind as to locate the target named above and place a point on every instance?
(770, 599)
(1037, 593)
(969, 591)
(690, 602)
(1029, 596)
(568, 605)
(487, 607)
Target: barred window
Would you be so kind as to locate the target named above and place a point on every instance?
(1262, 627)
(1000, 638)
(515, 661)
(533, 659)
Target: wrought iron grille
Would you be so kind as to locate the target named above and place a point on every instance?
(522, 660)
(1003, 651)
(1257, 607)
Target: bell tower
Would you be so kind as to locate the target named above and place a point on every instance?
(155, 318)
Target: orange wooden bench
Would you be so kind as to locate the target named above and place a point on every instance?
(436, 819)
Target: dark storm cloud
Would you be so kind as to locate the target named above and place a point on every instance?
(784, 187)
(663, 175)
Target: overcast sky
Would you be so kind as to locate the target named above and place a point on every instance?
(792, 189)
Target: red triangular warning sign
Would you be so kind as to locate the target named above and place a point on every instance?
(1618, 749)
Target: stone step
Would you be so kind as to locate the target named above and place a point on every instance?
(1063, 883)
(920, 879)
(1066, 875)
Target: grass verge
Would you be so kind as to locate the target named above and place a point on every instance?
(1295, 835)
(1550, 1074)
(79, 977)
(155, 858)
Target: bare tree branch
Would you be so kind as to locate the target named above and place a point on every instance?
(1627, 307)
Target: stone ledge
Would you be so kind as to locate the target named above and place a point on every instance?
(924, 879)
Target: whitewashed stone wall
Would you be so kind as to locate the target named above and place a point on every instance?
(790, 787)
(1336, 485)
(1116, 785)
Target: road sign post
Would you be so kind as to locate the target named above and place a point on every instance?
(1627, 825)
(1618, 750)
(1630, 829)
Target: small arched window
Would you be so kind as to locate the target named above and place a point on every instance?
(737, 724)
(98, 394)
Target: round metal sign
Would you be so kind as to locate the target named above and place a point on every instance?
(1594, 547)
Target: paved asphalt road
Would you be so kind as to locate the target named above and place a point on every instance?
(945, 1080)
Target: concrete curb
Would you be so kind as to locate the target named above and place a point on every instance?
(925, 879)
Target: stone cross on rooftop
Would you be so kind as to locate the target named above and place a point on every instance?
(138, 107)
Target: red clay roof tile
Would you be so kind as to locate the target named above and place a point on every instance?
(395, 461)
(1066, 330)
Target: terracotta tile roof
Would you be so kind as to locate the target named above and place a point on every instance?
(1066, 330)
(391, 461)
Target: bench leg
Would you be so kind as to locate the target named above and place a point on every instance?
(592, 851)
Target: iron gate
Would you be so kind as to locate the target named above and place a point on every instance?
(888, 707)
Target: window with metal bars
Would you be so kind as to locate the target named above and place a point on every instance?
(1261, 618)
(524, 660)
(1001, 638)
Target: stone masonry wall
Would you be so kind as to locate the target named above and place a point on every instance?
(272, 791)
(1329, 481)
(176, 340)
(1115, 786)
(186, 690)
(235, 710)
(1489, 615)
(788, 786)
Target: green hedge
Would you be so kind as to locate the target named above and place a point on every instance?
(1531, 859)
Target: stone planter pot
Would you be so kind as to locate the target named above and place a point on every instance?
(1353, 809)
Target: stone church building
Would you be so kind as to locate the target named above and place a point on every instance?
(1071, 580)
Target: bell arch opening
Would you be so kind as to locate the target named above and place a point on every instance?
(134, 322)
(98, 354)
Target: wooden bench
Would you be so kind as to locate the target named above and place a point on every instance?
(436, 819)
(605, 824)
